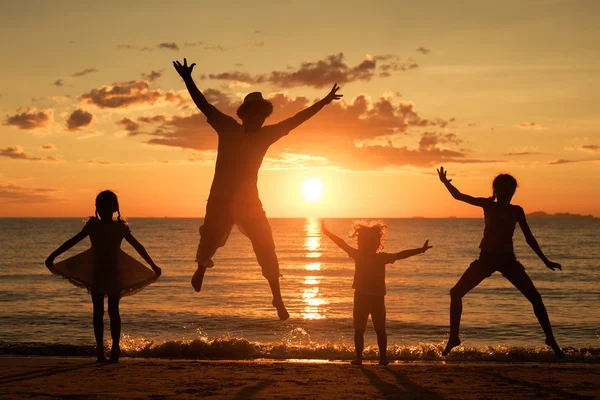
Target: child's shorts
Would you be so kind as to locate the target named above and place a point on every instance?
(365, 305)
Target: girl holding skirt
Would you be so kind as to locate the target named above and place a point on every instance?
(104, 269)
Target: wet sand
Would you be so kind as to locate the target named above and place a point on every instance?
(135, 378)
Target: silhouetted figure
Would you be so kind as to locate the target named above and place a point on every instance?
(105, 270)
(369, 282)
(234, 194)
(497, 254)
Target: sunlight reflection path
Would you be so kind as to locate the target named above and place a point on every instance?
(311, 295)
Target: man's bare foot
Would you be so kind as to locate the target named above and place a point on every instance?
(384, 361)
(198, 277)
(452, 343)
(358, 361)
(282, 312)
(115, 354)
(557, 350)
(101, 359)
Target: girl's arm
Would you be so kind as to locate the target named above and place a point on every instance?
(338, 240)
(533, 243)
(64, 247)
(476, 201)
(412, 252)
(142, 252)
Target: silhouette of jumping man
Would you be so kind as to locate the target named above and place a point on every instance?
(369, 282)
(234, 195)
(497, 254)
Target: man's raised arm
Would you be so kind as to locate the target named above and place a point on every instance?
(186, 73)
(307, 113)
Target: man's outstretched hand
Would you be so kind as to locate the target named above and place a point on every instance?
(333, 94)
(183, 70)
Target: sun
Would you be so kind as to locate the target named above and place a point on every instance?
(312, 189)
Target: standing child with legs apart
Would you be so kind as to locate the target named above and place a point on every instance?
(233, 195)
(497, 254)
(105, 270)
(369, 282)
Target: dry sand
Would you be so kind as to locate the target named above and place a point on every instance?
(134, 378)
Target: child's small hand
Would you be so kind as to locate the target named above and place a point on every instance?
(553, 266)
(442, 174)
(426, 246)
(157, 271)
(49, 262)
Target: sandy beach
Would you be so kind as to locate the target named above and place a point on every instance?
(134, 378)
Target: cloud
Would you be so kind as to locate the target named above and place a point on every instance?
(132, 47)
(152, 75)
(205, 45)
(423, 50)
(11, 193)
(520, 153)
(129, 125)
(84, 72)
(79, 119)
(58, 83)
(323, 73)
(590, 147)
(169, 45)
(163, 45)
(30, 119)
(127, 94)
(562, 161)
(48, 147)
(355, 134)
(531, 125)
(17, 152)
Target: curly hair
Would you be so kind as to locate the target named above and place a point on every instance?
(369, 229)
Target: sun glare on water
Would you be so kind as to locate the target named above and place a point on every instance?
(312, 189)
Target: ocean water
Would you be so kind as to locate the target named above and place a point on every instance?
(231, 318)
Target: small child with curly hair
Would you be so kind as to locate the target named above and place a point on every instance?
(369, 281)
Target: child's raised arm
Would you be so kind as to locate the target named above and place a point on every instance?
(533, 243)
(412, 252)
(476, 201)
(64, 247)
(142, 252)
(338, 241)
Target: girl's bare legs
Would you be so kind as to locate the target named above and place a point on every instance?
(521, 281)
(98, 304)
(469, 280)
(115, 328)
(359, 345)
(378, 318)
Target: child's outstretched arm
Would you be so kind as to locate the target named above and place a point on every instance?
(307, 113)
(338, 241)
(64, 247)
(476, 201)
(412, 252)
(533, 243)
(186, 73)
(142, 252)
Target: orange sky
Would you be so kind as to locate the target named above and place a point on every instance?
(90, 101)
